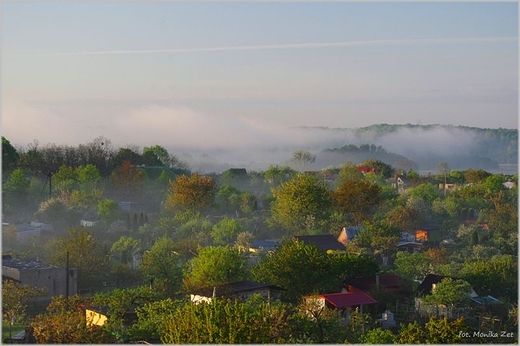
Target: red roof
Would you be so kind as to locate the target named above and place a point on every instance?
(346, 299)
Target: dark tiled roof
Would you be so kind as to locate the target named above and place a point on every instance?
(233, 288)
(25, 265)
(323, 242)
(265, 244)
(347, 299)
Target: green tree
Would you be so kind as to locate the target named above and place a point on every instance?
(376, 239)
(228, 197)
(301, 205)
(10, 156)
(16, 188)
(357, 198)
(216, 265)
(275, 174)
(225, 231)
(120, 302)
(449, 292)
(403, 217)
(285, 266)
(377, 336)
(125, 248)
(85, 253)
(156, 156)
(382, 169)
(497, 276)
(107, 209)
(219, 322)
(14, 301)
(162, 266)
(494, 183)
(344, 265)
(316, 323)
(412, 266)
(88, 174)
(66, 178)
(476, 176)
(349, 171)
(444, 331)
(127, 154)
(411, 334)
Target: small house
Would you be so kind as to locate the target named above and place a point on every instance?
(344, 302)
(89, 219)
(52, 278)
(236, 290)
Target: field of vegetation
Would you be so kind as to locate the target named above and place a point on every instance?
(154, 231)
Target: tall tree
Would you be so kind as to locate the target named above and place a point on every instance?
(156, 156)
(10, 156)
(191, 193)
(275, 174)
(225, 231)
(357, 198)
(14, 301)
(382, 169)
(216, 265)
(297, 267)
(85, 253)
(128, 179)
(16, 188)
(162, 266)
(303, 157)
(301, 205)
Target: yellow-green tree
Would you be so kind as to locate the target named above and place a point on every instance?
(216, 265)
(14, 301)
(357, 198)
(65, 323)
(85, 253)
(191, 193)
(161, 264)
(302, 205)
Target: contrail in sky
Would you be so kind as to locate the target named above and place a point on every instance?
(287, 46)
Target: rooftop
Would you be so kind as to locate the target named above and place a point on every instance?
(25, 265)
(347, 299)
(234, 287)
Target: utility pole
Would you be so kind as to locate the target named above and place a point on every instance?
(50, 183)
(67, 279)
(444, 182)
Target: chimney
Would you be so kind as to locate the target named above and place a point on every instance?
(377, 280)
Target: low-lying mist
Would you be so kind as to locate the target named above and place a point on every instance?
(426, 146)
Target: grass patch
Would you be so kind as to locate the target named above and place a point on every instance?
(16, 328)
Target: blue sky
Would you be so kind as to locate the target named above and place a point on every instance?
(234, 74)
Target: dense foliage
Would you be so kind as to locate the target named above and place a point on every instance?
(153, 231)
